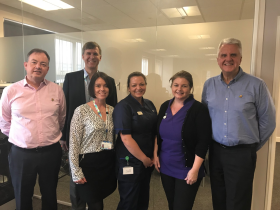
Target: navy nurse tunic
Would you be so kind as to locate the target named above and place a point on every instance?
(130, 117)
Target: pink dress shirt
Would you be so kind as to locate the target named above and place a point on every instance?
(32, 118)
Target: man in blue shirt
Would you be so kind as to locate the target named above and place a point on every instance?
(243, 118)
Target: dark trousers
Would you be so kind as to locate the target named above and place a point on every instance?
(231, 174)
(179, 194)
(25, 164)
(135, 195)
(77, 202)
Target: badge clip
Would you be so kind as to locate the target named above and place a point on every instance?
(140, 113)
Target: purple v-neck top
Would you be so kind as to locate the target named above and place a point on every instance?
(172, 158)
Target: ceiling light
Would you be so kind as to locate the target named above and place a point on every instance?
(48, 5)
(158, 50)
(192, 11)
(182, 12)
(207, 48)
(60, 4)
(171, 56)
(199, 37)
(171, 12)
(135, 40)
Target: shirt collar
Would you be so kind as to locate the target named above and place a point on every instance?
(136, 100)
(86, 74)
(186, 101)
(45, 82)
(240, 73)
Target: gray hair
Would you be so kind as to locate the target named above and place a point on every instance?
(230, 41)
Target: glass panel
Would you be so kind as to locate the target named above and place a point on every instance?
(156, 37)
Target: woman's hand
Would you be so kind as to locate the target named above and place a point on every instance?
(81, 181)
(147, 162)
(156, 163)
(192, 176)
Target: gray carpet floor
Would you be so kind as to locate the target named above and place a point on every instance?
(157, 197)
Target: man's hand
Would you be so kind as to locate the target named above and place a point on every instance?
(63, 145)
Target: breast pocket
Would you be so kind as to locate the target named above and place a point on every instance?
(244, 101)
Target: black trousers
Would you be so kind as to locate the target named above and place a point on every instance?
(76, 201)
(179, 194)
(231, 174)
(25, 164)
(135, 195)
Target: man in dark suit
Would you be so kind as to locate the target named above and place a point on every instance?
(75, 88)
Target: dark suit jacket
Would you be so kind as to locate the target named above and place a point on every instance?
(74, 90)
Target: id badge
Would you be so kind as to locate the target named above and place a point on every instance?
(127, 170)
(106, 145)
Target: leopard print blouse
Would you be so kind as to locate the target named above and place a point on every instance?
(87, 131)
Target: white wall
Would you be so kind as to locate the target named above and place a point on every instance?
(120, 58)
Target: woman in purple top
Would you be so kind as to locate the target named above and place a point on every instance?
(183, 137)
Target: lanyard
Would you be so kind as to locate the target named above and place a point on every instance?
(107, 115)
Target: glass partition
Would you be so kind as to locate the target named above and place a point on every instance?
(155, 37)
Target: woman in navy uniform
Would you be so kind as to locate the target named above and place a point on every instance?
(135, 122)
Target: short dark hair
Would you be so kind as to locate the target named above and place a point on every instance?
(182, 74)
(135, 74)
(91, 86)
(91, 45)
(37, 50)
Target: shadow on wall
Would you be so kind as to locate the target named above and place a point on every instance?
(155, 92)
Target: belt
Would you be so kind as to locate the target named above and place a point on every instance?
(38, 149)
(236, 146)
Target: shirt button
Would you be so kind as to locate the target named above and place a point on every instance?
(225, 111)
(227, 86)
(225, 136)
(224, 123)
(226, 98)
(182, 139)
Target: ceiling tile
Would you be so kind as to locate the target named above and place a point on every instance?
(151, 19)
(134, 7)
(221, 13)
(175, 3)
(106, 10)
(187, 20)
(248, 10)
(218, 3)
(66, 13)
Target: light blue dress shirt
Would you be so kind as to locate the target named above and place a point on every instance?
(87, 81)
(242, 112)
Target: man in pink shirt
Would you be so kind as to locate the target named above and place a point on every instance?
(32, 115)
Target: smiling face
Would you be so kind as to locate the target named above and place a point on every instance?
(101, 90)
(36, 68)
(181, 88)
(91, 58)
(229, 59)
(137, 87)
